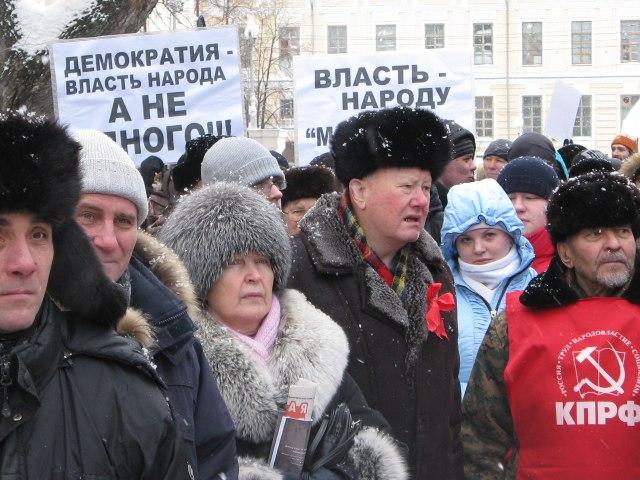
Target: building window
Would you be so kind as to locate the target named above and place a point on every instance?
(532, 114)
(337, 39)
(434, 35)
(532, 43)
(483, 43)
(385, 37)
(289, 45)
(286, 108)
(630, 41)
(582, 127)
(626, 104)
(484, 116)
(581, 43)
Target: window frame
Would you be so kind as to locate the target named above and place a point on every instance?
(584, 47)
(531, 114)
(578, 126)
(529, 49)
(382, 38)
(480, 115)
(337, 40)
(634, 42)
(479, 47)
(437, 36)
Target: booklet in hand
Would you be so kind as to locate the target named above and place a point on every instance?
(291, 436)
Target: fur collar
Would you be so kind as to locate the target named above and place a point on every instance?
(168, 268)
(550, 289)
(630, 165)
(334, 253)
(309, 345)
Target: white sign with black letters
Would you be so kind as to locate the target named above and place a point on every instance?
(151, 93)
(332, 88)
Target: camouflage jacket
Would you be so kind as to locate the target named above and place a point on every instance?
(488, 437)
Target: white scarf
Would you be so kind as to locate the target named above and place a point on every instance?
(484, 279)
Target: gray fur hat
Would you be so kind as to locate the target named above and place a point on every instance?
(209, 227)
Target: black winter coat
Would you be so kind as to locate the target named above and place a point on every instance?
(311, 346)
(84, 402)
(158, 283)
(407, 373)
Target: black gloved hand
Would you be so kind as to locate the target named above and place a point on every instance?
(332, 442)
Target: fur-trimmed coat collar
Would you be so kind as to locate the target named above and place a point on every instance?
(171, 272)
(309, 345)
(333, 252)
(551, 289)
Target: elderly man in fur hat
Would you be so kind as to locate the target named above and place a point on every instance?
(554, 391)
(364, 258)
(112, 207)
(78, 400)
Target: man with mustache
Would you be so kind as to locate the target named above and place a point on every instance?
(557, 379)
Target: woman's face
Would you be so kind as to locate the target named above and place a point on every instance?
(241, 297)
(483, 245)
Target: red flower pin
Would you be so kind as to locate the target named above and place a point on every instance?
(436, 304)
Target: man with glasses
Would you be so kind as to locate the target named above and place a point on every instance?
(244, 161)
(305, 185)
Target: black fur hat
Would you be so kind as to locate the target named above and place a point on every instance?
(308, 182)
(596, 199)
(39, 174)
(186, 173)
(399, 137)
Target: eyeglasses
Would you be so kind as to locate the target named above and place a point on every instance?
(265, 186)
(296, 214)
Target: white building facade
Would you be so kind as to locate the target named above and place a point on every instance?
(520, 49)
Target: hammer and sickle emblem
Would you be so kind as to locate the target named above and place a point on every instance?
(614, 385)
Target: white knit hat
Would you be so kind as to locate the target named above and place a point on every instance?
(106, 168)
(240, 160)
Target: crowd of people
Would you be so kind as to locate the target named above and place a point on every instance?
(457, 322)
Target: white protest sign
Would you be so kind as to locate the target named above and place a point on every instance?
(151, 93)
(631, 123)
(561, 115)
(332, 88)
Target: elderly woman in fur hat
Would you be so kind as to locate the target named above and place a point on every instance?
(261, 338)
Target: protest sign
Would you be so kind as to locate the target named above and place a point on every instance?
(561, 115)
(332, 88)
(151, 93)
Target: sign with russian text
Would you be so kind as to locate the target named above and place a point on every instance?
(332, 88)
(151, 93)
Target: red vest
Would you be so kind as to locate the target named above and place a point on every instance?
(573, 385)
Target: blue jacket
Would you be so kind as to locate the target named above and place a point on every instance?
(192, 388)
(472, 203)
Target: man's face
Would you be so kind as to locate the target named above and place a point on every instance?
(295, 210)
(492, 166)
(603, 258)
(111, 223)
(531, 210)
(619, 151)
(26, 255)
(394, 207)
(269, 190)
(459, 170)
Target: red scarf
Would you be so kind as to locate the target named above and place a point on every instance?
(543, 248)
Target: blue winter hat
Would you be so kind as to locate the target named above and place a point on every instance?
(528, 175)
(479, 205)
